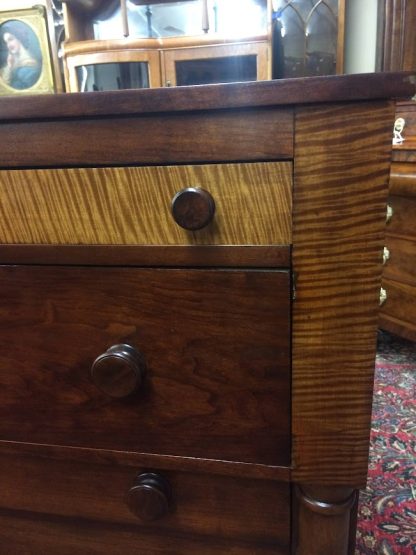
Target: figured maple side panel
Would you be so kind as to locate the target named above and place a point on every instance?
(342, 155)
(132, 205)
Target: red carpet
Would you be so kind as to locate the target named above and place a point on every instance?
(387, 510)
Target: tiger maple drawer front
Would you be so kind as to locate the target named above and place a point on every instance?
(243, 204)
(210, 360)
(111, 509)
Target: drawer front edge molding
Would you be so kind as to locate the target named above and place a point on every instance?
(270, 256)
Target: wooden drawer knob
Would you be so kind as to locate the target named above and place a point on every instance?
(193, 208)
(119, 371)
(149, 498)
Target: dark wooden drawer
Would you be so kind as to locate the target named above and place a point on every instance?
(85, 506)
(401, 264)
(398, 313)
(403, 222)
(215, 345)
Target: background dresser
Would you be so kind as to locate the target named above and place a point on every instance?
(398, 313)
(189, 293)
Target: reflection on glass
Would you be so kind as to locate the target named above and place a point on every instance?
(173, 19)
(321, 49)
(113, 76)
(216, 70)
(304, 37)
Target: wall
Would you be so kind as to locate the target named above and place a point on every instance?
(360, 36)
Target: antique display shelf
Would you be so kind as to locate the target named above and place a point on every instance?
(189, 289)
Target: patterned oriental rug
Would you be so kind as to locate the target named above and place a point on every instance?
(387, 508)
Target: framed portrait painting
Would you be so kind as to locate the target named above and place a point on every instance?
(25, 57)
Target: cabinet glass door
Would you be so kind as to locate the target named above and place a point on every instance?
(216, 70)
(113, 76)
(306, 37)
(217, 64)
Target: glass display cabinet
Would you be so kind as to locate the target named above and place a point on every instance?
(308, 37)
(119, 44)
(139, 44)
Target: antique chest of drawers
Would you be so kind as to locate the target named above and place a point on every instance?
(189, 289)
(398, 312)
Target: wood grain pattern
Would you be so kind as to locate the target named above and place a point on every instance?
(342, 155)
(215, 344)
(133, 205)
(399, 37)
(308, 90)
(263, 134)
(87, 504)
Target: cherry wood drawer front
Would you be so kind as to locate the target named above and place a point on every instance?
(401, 264)
(215, 345)
(49, 507)
(403, 179)
(398, 313)
(403, 222)
(133, 205)
(149, 138)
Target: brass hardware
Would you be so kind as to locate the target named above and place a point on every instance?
(383, 296)
(389, 213)
(386, 255)
(399, 124)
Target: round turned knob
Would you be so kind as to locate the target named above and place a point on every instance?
(193, 208)
(119, 371)
(149, 498)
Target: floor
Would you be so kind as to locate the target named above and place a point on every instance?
(387, 510)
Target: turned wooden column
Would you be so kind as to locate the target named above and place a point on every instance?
(324, 520)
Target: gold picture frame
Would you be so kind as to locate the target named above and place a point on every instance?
(26, 65)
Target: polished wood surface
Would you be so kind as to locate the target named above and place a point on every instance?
(254, 135)
(403, 179)
(323, 520)
(403, 222)
(150, 497)
(119, 372)
(224, 415)
(110, 255)
(307, 90)
(132, 205)
(86, 503)
(398, 24)
(148, 460)
(193, 208)
(217, 339)
(398, 313)
(337, 245)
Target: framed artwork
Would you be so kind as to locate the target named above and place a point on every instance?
(25, 58)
